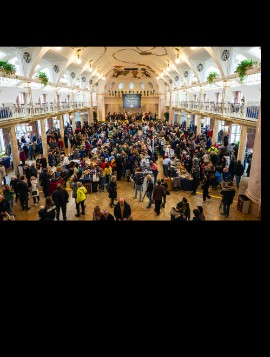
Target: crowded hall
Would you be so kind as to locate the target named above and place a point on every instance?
(130, 133)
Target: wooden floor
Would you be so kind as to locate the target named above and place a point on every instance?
(139, 210)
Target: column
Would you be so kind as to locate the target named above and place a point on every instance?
(61, 125)
(171, 111)
(215, 131)
(90, 111)
(253, 191)
(73, 121)
(242, 144)
(14, 149)
(101, 107)
(223, 98)
(188, 120)
(199, 123)
(161, 106)
(44, 138)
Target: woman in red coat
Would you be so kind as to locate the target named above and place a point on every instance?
(22, 156)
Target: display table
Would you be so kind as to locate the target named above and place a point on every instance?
(53, 186)
(5, 160)
(186, 185)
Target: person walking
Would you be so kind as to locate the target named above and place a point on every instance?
(238, 172)
(227, 194)
(158, 193)
(60, 198)
(149, 190)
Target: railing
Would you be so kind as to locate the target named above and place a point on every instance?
(239, 111)
(22, 111)
(119, 94)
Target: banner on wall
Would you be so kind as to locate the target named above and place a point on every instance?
(131, 100)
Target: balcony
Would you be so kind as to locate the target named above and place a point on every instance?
(13, 114)
(240, 112)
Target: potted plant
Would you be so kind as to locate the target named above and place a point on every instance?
(242, 68)
(43, 77)
(166, 116)
(211, 77)
(7, 68)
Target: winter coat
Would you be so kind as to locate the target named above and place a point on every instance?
(60, 197)
(158, 193)
(112, 190)
(227, 195)
(81, 194)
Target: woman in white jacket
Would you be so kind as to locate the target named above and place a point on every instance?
(34, 190)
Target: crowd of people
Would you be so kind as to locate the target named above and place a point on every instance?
(104, 153)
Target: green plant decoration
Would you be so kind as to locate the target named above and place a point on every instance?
(166, 116)
(7, 67)
(242, 68)
(43, 77)
(211, 77)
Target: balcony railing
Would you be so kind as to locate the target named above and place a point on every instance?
(24, 111)
(239, 111)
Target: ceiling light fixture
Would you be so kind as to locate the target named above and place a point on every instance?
(58, 48)
(78, 60)
(168, 67)
(177, 60)
(193, 48)
(90, 67)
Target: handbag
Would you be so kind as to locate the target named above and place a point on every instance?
(34, 193)
(168, 193)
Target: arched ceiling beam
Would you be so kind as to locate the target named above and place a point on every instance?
(216, 60)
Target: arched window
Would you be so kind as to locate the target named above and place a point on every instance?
(121, 85)
(131, 85)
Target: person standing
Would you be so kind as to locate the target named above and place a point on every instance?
(167, 192)
(122, 210)
(138, 181)
(34, 190)
(158, 193)
(60, 198)
(22, 156)
(47, 212)
(23, 191)
(238, 172)
(9, 196)
(2, 174)
(154, 169)
(227, 194)
(45, 182)
(43, 161)
(113, 190)
(4, 207)
(80, 199)
(13, 184)
(149, 190)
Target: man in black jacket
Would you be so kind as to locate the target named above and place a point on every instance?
(122, 210)
(227, 193)
(60, 198)
(45, 182)
(23, 190)
(238, 172)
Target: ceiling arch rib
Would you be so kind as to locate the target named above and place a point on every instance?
(37, 59)
(216, 60)
(66, 65)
